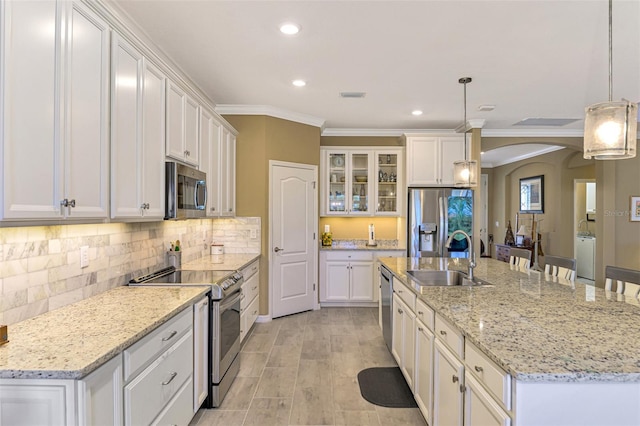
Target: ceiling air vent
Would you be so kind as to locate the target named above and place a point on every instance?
(352, 94)
(546, 121)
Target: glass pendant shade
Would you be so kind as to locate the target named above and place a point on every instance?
(465, 173)
(610, 130)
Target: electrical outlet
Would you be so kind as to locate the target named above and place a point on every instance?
(84, 256)
(254, 233)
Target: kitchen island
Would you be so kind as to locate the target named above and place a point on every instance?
(572, 350)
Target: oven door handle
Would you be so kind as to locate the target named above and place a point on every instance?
(229, 301)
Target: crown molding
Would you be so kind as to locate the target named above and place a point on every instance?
(523, 157)
(533, 133)
(233, 109)
(380, 132)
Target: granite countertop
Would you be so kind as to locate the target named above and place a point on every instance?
(220, 262)
(71, 342)
(362, 245)
(537, 328)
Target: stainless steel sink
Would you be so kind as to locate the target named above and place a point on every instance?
(443, 278)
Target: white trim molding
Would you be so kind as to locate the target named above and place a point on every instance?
(271, 111)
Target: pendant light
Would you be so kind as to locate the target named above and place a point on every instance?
(610, 128)
(465, 172)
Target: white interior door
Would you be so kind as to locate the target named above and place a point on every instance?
(293, 255)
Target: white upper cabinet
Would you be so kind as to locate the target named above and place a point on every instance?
(137, 135)
(55, 113)
(210, 134)
(228, 171)
(430, 159)
(218, 161)
(361, 181)
(182, 125)
(591, 197)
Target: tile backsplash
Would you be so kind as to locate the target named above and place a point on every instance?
(40, 265)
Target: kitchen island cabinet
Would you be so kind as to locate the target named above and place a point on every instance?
(533, 349)
(86, 362)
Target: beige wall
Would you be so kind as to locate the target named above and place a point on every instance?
(619, 242)
(261, 139)
(618, 239)
(556, 225)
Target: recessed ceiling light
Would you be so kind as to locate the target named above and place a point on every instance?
(289, 28)
(416, 112)
(299, 83)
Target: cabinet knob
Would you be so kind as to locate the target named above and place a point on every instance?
(478, 368)
(213, 209)
(277, 249)
(400, 311)
(455, 378)
(420, 329)
(442, 332)
(419, 312)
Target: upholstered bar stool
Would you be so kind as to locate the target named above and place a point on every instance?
(520, 257)
(627, 281)
(563, 267)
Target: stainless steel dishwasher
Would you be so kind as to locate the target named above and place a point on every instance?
(386, 293)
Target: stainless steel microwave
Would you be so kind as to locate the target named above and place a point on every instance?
(186, 192)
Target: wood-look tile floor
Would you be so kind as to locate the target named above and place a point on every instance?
(302, 370)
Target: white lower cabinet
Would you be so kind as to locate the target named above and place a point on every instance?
(200, 352)
(100, 395)
(448, 375)
(250, 300)
(346, 277)
(403, 342)
(423, 381)
(150, 391)
(480, 409)
(94, 400)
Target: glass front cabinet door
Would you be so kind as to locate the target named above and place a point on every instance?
(388, 176)
(348, 186)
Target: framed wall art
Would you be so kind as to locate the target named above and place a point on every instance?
(635, 209)
(532, 194)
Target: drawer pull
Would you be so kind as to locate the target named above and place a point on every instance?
(253, 288)
(442, 332)
(455, 378)
(420, 313)
(255, 312)
(173, 376)
(420, 329)
(399, 291)
(478, 368)
(170, 336)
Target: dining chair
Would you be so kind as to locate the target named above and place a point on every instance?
(558, 266)
(627, 281)
(520, 257)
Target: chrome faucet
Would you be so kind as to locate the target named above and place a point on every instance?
(581, 222)
(472, 254)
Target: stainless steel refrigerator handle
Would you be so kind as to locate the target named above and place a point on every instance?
(445, 225)
(441, 230)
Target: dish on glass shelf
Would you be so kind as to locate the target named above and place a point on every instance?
(337, 161)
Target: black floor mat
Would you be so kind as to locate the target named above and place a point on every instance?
(385, 386)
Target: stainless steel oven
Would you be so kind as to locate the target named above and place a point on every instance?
(224, 321)
(225, 345)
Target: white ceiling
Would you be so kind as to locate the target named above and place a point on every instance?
(531, 59)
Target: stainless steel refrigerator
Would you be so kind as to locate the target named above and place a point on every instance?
(435, 213)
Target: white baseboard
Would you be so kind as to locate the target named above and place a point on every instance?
(264, 318)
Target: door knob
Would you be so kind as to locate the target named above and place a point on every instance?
(277, 249)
